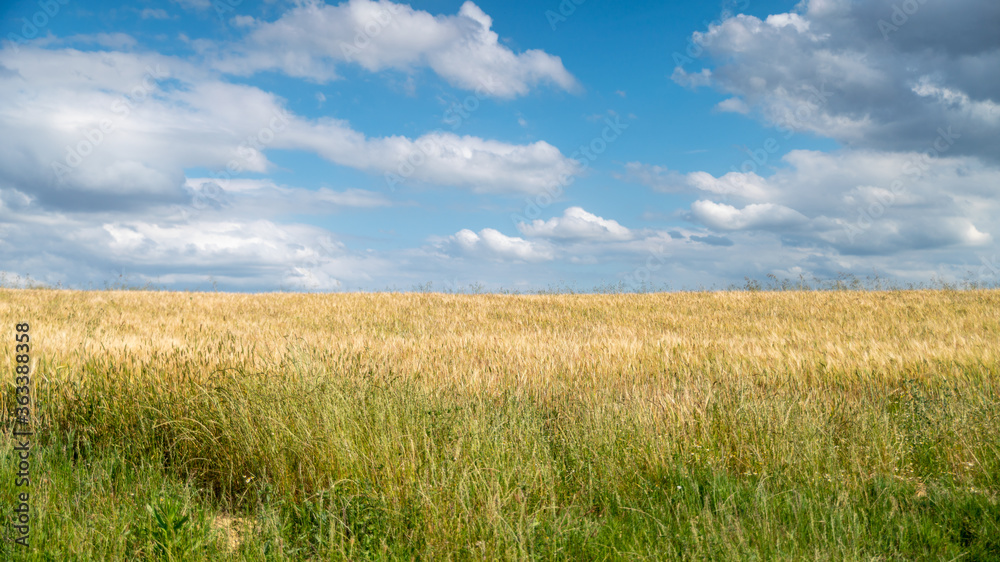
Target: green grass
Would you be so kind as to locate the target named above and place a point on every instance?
(319, 468)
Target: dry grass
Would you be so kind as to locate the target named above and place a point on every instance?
(533, 342)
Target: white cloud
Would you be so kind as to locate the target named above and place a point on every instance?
(748, 186)
(447, 159)
(744, 185)
(732, 105)
(841, 69)
(800, 24)
(910, 102)
(862, 202)
(492, 244)
(239, 251)
(126, 203)
(312, 39)
(692, 80)
(756, 216)
(576, 224)
(166, 115)
(983, 110)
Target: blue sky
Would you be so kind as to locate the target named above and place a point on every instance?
(510, 144)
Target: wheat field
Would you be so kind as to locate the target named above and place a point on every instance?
(821, 425)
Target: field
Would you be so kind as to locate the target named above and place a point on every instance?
(745, 425)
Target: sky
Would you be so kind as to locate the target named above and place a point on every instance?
(245, 145)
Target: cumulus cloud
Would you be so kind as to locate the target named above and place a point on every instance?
(863, 202)
(448, 159)
(748, 186)
(756, 216)
(493, 244)
(732, 105)
(96, 176)
(313, 39)
(119, 130)
(576, 224)
(692, 80)
(904, 91)
(178, 250)
(863, 73)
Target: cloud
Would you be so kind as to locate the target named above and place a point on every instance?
(443, 158)
(312, 39)
(837, 69)
(179, 250)
(862, 202)
(732, 105)
(120, 129)
(576, 224)
(904, 93)
(747, 186)
(492, 244)
(756, 216)
(695, 80)
(135, 122)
